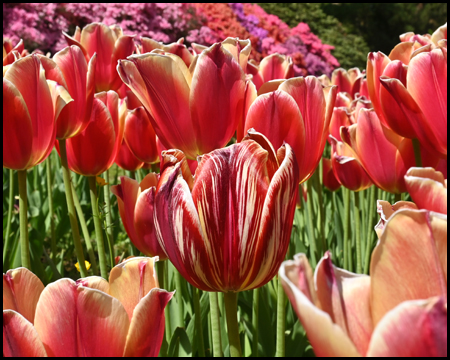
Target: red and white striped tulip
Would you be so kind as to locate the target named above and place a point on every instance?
(298, 113)
(91, 317)
(228, 229)
(31, 105)
(346, 314)
(194, 109)
(110, 45)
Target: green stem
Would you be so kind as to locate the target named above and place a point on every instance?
(281, 321)
(179, 297)
(168, 328)
(356, 213)
(231, 311)
(109, 232)
(319, 188)
(417, 154)
(346, 228)
(255, 319)
(23, 216)
(98, 227)
(215, 324)
(85, 231)
(160, 272)
(8, 242)
(51, 209)
(198, 322)
(71, 208)
(310, 227)
(369, 229)
(397, 197)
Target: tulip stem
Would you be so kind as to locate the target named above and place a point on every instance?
(98, 227)
(160, 272)
(85, 231)
(215, 324)
(255, 319)
(179, 297)
(281, 321)
(109, 232)
(397, 197)
(71, 208)
(310, 227)
(198, 322)
(369, 229)
(23, 216)
(357, 213)
(51, 209)
(168, 328)
(346, 228)
(417, 154)
(318, 187)
(8, 242)
(231, 311)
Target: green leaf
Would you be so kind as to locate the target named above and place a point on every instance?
(180, 345)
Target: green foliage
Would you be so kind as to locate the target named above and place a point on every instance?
(350, 49)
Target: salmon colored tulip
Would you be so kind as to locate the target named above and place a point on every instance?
(228, 229)
(384, 155)
(110, 45)
(31, 104)
(427, 188)
(272, 67)
(329, 179)
(347, 81)
(70, 69)
(94, 150)
(194, 109)
(136, 208)
(400, 310)
(299, 114)
(177, 48)
(347, 170)
(91, 317)
(341, 117)
(12, 53)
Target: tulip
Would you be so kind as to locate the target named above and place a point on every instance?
(92, 317)
(239, 207)
(299, 114)
(136, 204)
(31, 104)
(195, 110)
(110, 45)
(346, 314)
(347, 81)
(272, 67)
(341, 117)
(12, 53)
(347, 170)
(384, 155)
(126, 159)
(94, 150)
(177, 48)
(329, 179)
(70, 69)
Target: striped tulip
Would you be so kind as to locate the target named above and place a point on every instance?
(110, 45)
(31, 105)
(298, 113)
(136, 206)
(228, 229)
(400, 310)
(89, 317)
(195, 109)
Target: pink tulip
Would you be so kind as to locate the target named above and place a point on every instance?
(347, 81)
(110, 45)
(272, 67)
(92, 317)
(177, 48)
(400, 310)
(299, 114)
(228, 229)
(31, 104)
(195, 110)
(12, 53)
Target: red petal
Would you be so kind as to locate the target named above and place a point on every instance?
(126, 159)
(123, 47)
(376, 63)
(340, 78)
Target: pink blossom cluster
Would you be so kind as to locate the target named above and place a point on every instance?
(40, 25)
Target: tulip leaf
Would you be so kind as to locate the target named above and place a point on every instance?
(180, 345)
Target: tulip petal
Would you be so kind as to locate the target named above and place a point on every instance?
(376, 63)
(402, 52)
(20, 338)
(385, 210)
(340, 117)
(126, 159)
(94, 282)
(329, 179)
(17, 128)
(250, 97)
(123, 47)
(327, 338)
(21, 291)
(346, 298)
(131, 280)
(147, 325)
(216, 97)
(406, 264)
(275, 66)
(340, 78)
(412, 329)
(427, 189)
